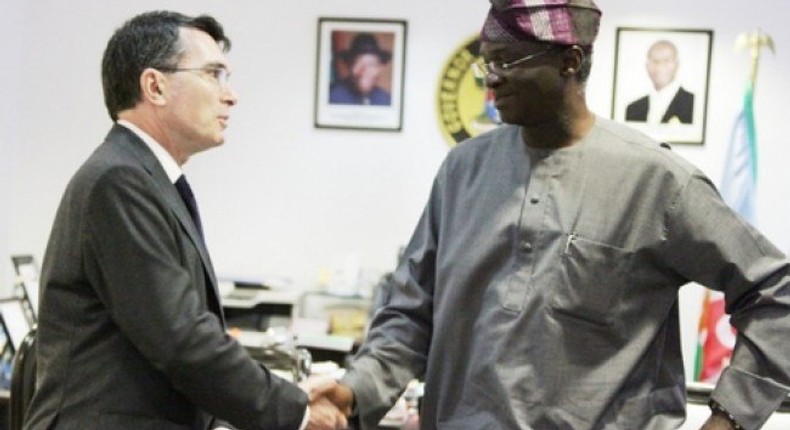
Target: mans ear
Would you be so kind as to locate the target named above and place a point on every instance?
(153, 86)
(572, 61)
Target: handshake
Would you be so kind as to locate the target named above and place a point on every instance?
(331, 403)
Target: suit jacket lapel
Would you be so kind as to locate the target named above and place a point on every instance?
(674, 108)
(138, 148)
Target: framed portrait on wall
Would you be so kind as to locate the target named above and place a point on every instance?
(26, 285)
(360, 73)
(14, 321)
(661, 82)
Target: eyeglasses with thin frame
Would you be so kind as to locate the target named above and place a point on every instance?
(219, 73)
(482, 68)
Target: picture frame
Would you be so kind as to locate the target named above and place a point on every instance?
(14, 321)
(360, 74)
(678, 62)
(27, 283)
(7, 353)
(6, 346)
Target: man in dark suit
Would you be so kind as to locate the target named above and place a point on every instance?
(131, 332)
(668, 102)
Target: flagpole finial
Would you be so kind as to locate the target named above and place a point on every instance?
(755, 41)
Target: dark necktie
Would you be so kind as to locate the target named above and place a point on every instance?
(185, 191)
(189, 199)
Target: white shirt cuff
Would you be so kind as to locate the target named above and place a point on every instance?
(306, 418)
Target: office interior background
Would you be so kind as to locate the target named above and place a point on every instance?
(285, 200)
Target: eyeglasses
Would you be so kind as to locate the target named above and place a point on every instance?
(219, 73)
(482, 68)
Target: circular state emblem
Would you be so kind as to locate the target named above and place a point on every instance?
(465, 105)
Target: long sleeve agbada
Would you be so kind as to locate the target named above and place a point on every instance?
(540, 291)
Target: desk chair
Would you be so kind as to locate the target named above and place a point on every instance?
(23, 381)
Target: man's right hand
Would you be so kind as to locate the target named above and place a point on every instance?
(324, 387)
(325, 416)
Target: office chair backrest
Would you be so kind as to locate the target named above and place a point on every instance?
(23, 380)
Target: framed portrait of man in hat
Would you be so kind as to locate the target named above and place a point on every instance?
(661, 82)
(359, 74)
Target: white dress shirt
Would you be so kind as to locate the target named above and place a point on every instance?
(659, 102)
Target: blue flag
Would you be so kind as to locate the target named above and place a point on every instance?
(740, 167)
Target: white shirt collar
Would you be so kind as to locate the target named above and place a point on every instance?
(167, 161)
(660, 101)
(668, 90)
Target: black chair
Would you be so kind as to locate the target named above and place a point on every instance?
(23, 381)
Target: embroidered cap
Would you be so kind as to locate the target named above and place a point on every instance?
(563, 22)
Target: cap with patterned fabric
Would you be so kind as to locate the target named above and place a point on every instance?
(563, 22)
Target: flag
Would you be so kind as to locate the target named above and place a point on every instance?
(716, 337)
(740, 167)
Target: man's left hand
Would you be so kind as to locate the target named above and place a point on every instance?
(717, 421)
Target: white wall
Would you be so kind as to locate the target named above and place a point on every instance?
(282, 198)
(7, 135)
